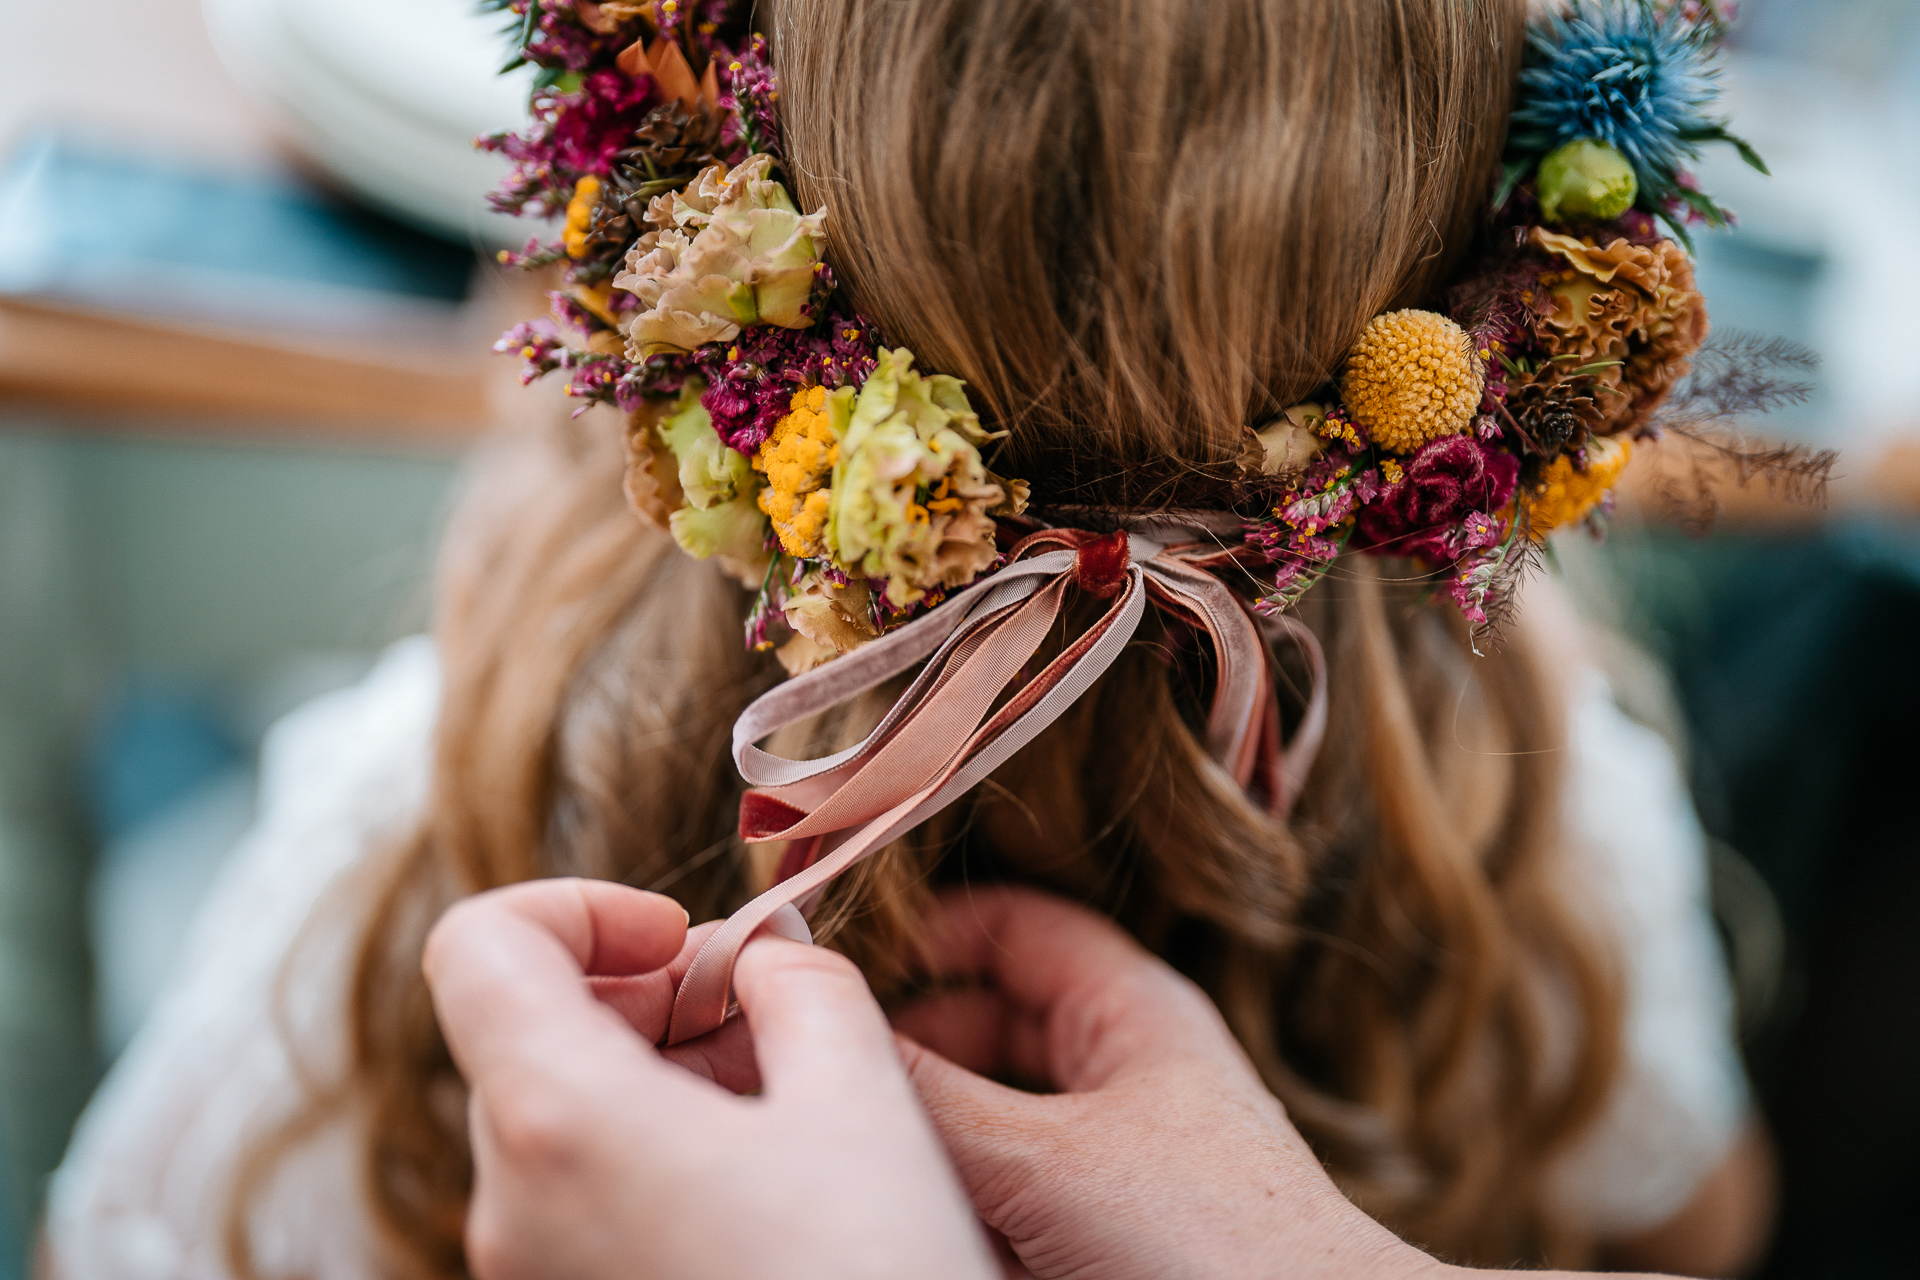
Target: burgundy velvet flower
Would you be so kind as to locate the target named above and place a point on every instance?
(1449, 480)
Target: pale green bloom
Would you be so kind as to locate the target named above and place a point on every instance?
(710, 473)
(1585, 180)
(722, 516)
(732, 249)
(734, 533)
(911, 496)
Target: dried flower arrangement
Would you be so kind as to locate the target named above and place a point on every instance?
(772, 429)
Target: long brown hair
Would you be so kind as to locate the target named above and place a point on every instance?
(1134, 227)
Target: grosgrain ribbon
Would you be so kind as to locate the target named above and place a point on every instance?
(945, 734)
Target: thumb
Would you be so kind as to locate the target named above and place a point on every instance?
(1000, 1140)
(817, 1030)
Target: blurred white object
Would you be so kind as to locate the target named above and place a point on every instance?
(387, 96)
(151, 881)
(1842, 195)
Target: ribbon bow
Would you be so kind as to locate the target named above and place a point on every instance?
(945, 733)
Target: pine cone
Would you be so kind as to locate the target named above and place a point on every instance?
(610, 230)
(1556, 414)
(671, 143)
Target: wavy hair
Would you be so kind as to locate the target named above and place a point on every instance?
(1134, 227)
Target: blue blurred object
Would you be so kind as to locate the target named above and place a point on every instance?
(13, 1241)
(132, 233)
(157, 744)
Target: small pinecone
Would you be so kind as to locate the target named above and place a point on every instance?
(670, 143)
(611, 228)
(1556, 415)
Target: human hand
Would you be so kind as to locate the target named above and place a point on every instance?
(597, 1156)
(1162, 1155)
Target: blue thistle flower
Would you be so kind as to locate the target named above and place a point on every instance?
(1636, 78)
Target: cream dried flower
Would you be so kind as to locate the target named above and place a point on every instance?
(837, 616)
(1289, 442)
(731, 249)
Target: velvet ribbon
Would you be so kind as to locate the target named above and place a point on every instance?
(974, 704)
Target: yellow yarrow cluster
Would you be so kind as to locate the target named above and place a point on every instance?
(798, 457)
(1412, 378)
(1566, 494)
(586, 195)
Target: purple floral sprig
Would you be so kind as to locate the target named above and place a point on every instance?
(1442, 505)
(592, 377)
(751, 381)
(783, 574)
(751, 97)
(1312, 519)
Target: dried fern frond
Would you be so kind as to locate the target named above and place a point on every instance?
(1736, 377)
(1740, 375)
(1521, 558)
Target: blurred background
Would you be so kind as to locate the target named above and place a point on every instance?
(246, 292)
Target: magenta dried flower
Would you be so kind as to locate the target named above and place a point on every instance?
(750, 382)
(590, 125)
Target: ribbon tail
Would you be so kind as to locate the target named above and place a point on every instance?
(702, 1001)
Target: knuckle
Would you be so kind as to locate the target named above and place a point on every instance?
(537, 1131)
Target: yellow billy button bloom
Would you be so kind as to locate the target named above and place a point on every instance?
(1412, 378)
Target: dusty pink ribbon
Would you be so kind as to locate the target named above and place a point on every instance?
(945, 734)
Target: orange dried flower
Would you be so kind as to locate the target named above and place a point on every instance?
(1630, 308)
(1566, 493)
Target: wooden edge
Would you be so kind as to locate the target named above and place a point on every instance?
(71, 364)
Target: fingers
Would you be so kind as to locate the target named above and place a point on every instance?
(507, 969)
(816, 1026)
(1104, 1004)
(724, 1055)
(645, 1000)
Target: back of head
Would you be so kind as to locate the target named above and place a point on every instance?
(1134, 229)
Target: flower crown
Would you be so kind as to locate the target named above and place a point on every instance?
(773, 429)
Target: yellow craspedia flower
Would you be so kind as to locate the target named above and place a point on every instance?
(1566, 494)
(1411, 378)
(798, 456)
(586, 195)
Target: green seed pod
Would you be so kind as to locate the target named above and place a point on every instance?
(1586, 181)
